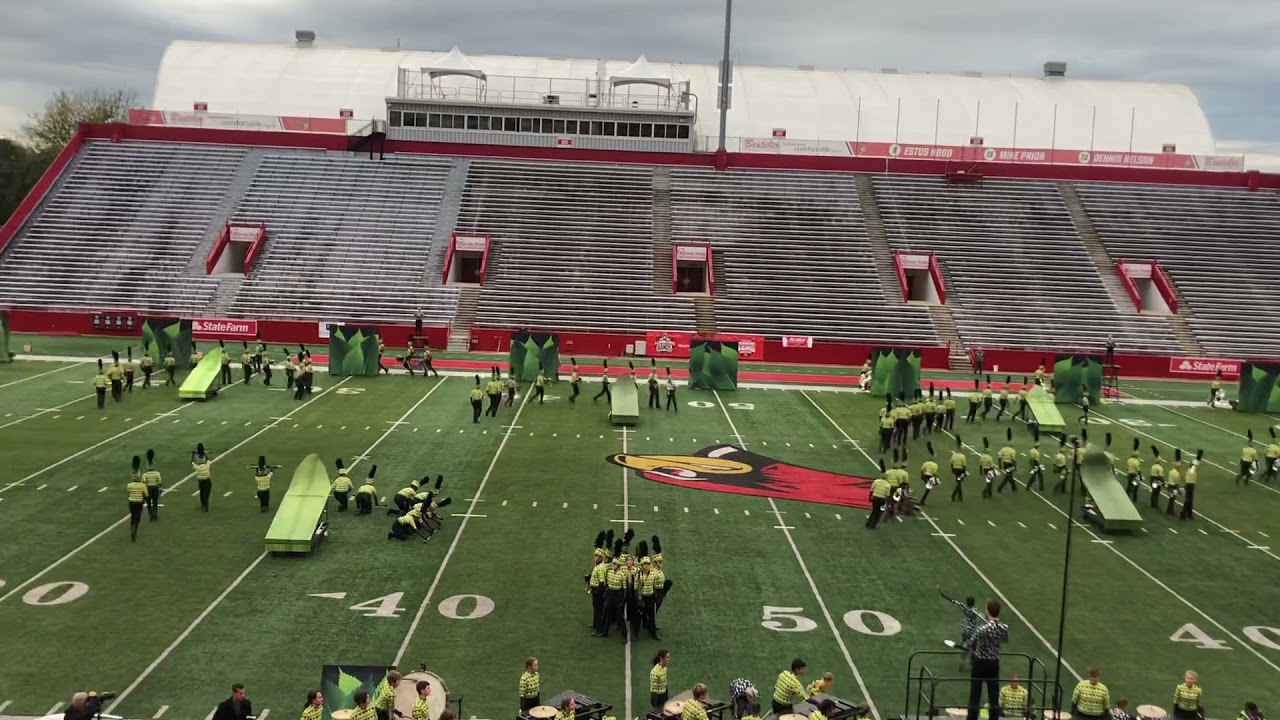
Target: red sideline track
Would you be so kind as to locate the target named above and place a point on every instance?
(745, 375)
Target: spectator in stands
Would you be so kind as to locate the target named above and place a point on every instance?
(979, 358)
(236, 707)
(1186, 698)
(1091, 698)
(986, 663)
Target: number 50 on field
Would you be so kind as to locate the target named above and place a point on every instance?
(789, 619)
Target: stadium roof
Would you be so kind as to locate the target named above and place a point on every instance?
(817, 104)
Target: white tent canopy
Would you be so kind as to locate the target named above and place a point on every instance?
(640, 73)
(455, 63)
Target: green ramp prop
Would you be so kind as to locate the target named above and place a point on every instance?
(713, 364)
(1259, 388)
(5, 355)
(895, 371)
(301, 521)
(159, 335)
(625, 407)
(1115, 511)
(1077, 375)
(339, 683)
(353, 350)
(532, 351)
(1045, 411)
(199, 383)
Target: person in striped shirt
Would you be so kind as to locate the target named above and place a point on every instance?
(1014, 700)
(384, 699)
(1121, 710)
(658, 679)
(421, 708)
(137, 492)
(788, 690)
(743, 694)
(1186, 698)
(568, 709)
(363, 709)
(152, 478)
(823, 710)
(530, 686)
(201, 465)
(694, 708)
(1091, 698)
(314, 707)
(985, 647)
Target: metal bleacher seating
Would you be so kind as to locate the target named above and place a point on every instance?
(348, 238)
(795, 254)
(1217, 245)
(571, 247)
(119, 229)
(1019, 275)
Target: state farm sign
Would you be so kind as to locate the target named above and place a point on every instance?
(214, 329)
(1203, 366)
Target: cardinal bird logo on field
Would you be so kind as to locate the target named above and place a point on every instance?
(729, 469)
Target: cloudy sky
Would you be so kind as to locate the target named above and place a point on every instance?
(1226, 50)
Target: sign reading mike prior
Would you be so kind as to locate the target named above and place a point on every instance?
(1203, 366)
(218, 329)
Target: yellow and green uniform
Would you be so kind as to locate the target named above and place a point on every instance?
(1090, 699)
(658, 680)
(368, 712)
(202, 468)
(477, 394)
(986, 462)
(100, 380)
(1040, 373)
(1187, 697)
(385, 696)
(1013, 700)
(1060, 461)
(886, 419)
(115, 373)
(880, 487)
(343, 483)
(959, 461)
(1008, 455)
(929, 469)
(930, 407)
(137, 491)
(169, 361)
(151, 477)
(421, 709)
(902, 413)
(312, 712)
(1248, 454)
(787, 690)
(263, 480)
(817, 715)
(1133, 465)
(1157, 470)
(1215, 385)
(530, 685)
(949, 404)
(494, 387)
(815, 687)
(1033, 455)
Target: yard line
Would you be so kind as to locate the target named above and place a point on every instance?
(160, 712)
(43, 411)
(1153, 578)
(5, 704)
(952, 543)
(122, 520)
(54, 709)
(1184, 450)
(805, 569)
(426, 599)
(211, 712)
(39, 375)
(218, 600)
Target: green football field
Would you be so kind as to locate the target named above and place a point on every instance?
(172, 620)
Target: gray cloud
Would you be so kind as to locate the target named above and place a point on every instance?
(1224, 50)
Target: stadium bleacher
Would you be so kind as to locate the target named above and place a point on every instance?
(119, 229)
(796, 258)
(571, 247)
(1020, 273)
(1218, 247)
(347, 238)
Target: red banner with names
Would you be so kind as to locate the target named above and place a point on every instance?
(677, 343)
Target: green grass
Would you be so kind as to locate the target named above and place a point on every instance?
(193, 605)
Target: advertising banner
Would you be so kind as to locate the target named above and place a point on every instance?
(220, 329)
(1204, 366)
(797, 341)
(677, 344)
(1039, 156)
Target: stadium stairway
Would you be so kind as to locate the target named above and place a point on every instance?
(704, 310)
(945, 325)
(239, 185)
(446, 220)
(662, 267)
(717, 270)
(880, 249)
(460, 332)
(1106, 266)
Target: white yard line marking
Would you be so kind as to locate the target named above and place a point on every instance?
(160, 712)
(103, 489)
(19, 381)
(467, 515)
(218, 600)
(175, 486)
(211, 712)
(263, 715)
(955, 547)
(960, 521)
(991, 523)
(1020, 524)
(73, 487)
(435, 582)
(42, 411)
(42, 487)
(54, 709)
(5, 704)
(813, 586)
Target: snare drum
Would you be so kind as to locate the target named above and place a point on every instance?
(542, 712)
(407, 692)
(341, 714)
(673, 708)
(1151, 712)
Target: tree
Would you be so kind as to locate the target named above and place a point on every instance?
(54, 125)
(20, 168)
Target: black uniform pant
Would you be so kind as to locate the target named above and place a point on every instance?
(266, 375)
(1188, 504)
(1155, 492)
(986, 407)
(877, 509)
(511, 396)
(288, 379)
(951, 419)
(900, 432)
(153, 501)
(604, 390)
(671, 402)
(973, 412)
(364, 503)
(1004, 407)
(574, 397)
(248, 372)
(780, 708)
(146, 377)
(428, 367)
(1061, 486)
(930, 419)
(1008, 480)
(399, 531)
(984, 672)
(529, 703)
(1037, 478)
(1246, 468)
(986, 485)
(128, 381)
(654, 402)
(1131, 487)
(171, 372)
(597, 610)
(476, 408)
(613, 609)
(657, 700)
(957, 492)
(226, 374)
(1173, 493)
(206, 489)
(135, 519)
(102, 397)
(117, 390)
(541, 391)
(494, 399)
(341, 496)
(300, 387)
(915, 426)
(649, 615)
(264, 499)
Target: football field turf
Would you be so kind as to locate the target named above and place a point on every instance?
(195, 604)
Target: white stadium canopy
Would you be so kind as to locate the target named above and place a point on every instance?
(814, 104)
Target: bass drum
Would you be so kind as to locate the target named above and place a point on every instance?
(407, 692)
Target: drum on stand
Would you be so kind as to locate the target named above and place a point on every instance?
(673, 708)
(1151, 712)
(341, 714)
(542, 712)
(407, 693)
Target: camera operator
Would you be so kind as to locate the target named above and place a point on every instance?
(86, 705)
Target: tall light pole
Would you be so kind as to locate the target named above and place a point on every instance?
(1066, 571)
(724, 95)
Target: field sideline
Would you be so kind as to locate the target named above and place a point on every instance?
(195, 604)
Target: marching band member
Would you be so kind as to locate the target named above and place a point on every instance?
(959, 470)
(200, 465)
(887, 422)
(341, 486)
(1033, 461)
(615, 591)
(421, 706)
(917, 414)
(384, 699)
(1189, 482)
(1133, 471)
(788, 691)
(290, 369)
(262, 474)
(949, 411)
(541, 383)
(646, 586)
(1272, 455)
(568, 709)
(672, 405)
(987, 398)
(652, 382)
(987, 465)
(314, 708)
(246, 363)
(1248, 457)
(604, 385)
(530, 686)
(1004, 398)
(137, 492)
(821, 685)
(129, 369)
(695, 709)
(975, 399)
(575, 379)
(367, 494)
(1008, 458)
(1186, 696)
(494, 390)
(1156, 473)
(477, 401)
(596, 587)
(170, 367)
(660, 580)
(1175, 479)
(928, 474)
(427, 365)
(511, 389)
(930, 412)
(225, 371)
(658, 679)
(404, 498)
(115, 374)
(147, 363)
(100, 385)
(364, 710)
(405, 525)
(151, 477)
(1060, 467)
